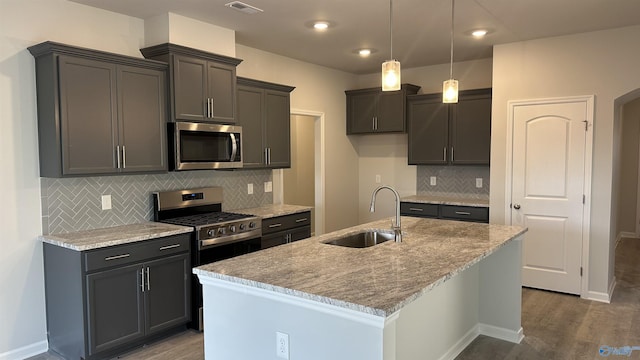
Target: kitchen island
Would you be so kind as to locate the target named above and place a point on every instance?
(425, 298)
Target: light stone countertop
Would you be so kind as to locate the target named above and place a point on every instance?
(377, 280)
(428, 199)
(274, 210)
(118, 235)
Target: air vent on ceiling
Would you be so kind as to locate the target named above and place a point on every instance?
(245, 8)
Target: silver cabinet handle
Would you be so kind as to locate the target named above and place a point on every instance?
(452, 154)
(373, 123)
(462, 213)
(274, 225)
(269, 156)
(169, 247)
(266, 156)
(444, 153)
(118, 155)
(124, 157)
(212, 106)
(148, 282)
(416, 209)
(116, 257)
(301, 220)
(142, 279)
(516, 206)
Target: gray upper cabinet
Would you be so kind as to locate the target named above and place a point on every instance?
(372, 110)
(99, 113)
(455, 134)
(203, 84)
(264, 114)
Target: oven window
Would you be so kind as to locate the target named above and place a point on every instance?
(203, 146)
(217, 253)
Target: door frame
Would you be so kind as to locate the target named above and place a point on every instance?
(588, 159)
(319, 151)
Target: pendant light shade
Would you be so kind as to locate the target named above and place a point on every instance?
(391, 68)
(450, 87)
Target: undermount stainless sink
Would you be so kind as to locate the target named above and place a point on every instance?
(362, 239)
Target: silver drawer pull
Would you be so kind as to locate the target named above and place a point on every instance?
(274, 225)
(301, 220)
(116, 257)
(169, 247)
(148, 282)
(415, 209)
(142, 279)
(462, 213)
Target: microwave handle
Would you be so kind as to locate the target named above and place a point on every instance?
(234, 146)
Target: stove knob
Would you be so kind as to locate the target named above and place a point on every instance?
(232, 228)
(242, 226)
(221, 231)
(252, 225)
(211, 233)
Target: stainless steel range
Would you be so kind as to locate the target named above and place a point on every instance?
(217, 235)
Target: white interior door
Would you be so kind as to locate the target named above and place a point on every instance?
(547, 196)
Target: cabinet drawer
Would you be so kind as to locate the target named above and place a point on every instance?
(419, 209)
(286, 222)
(136, 252)
(469, 213)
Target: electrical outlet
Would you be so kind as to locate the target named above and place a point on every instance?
(282, 345)
(249, 189)
(432, 181)
(106, 202)
(478, 182)
(268, 187)
(378, 179)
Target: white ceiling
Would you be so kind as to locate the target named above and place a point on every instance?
(421, 27)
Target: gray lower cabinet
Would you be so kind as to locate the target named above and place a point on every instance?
(372, 110)
(285, 229)
(99, 113)
(203, 84)
(265, 116)
(103, 302)
(444, 211)
(450, 134)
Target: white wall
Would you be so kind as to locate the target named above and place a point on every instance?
(387, 154)
(603, 63)
(25, 23)
(318, 89)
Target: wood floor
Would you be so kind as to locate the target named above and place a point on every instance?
(556, 326)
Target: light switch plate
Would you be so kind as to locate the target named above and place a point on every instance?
(478, 182)
(249, 189)
(432, 181)
(106, 202)
(378, 179)
(268, 187)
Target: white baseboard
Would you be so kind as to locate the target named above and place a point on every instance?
(600, 296)
(461, 344)
(26, 351)
(501, 333)
(625, 234)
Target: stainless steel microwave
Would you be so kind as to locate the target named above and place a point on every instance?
(202, 146)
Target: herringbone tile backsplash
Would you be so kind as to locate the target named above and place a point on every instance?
(75, 204)
(453, 181)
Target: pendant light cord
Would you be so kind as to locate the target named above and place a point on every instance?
(451, 67)
(391, 27)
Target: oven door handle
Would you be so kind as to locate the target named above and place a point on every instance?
(203, 244)
(234, 146)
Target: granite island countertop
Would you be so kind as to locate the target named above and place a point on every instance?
(117, 235)
(377, 280)
(274, 210)
(445, 200)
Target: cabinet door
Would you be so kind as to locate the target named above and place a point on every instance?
(361, 110)
(428, 131)
(221, 85)
(277, 127)
(274, 239)
(250, 118)
(167, 292)
(142, 119)
(114, 307)
(471, 130)
(390, 112)
(300, 233)
(88, 116)
(189, 88)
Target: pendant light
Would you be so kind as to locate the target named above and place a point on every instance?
(391, 68)
(450, 87)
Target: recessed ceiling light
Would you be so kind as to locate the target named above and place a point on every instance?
(320, 25)
(364, 52)
(479, 33)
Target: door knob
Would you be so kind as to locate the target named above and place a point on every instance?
(516, 206)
